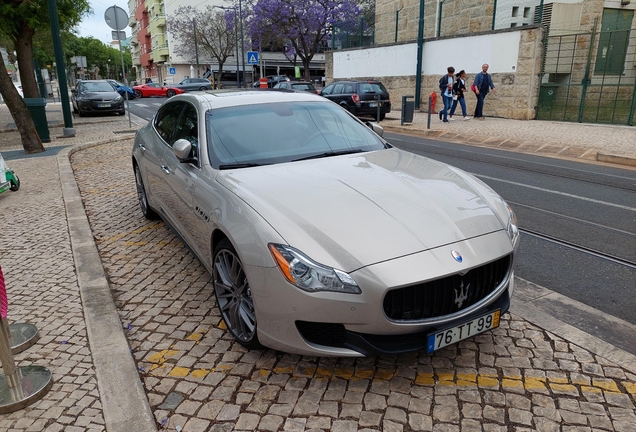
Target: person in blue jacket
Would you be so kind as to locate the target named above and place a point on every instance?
(483, 85)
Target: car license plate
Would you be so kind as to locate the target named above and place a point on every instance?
(373, 104)
(462, 331)
(104, 105)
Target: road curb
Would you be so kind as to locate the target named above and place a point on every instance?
(614, 159)
(123, 397)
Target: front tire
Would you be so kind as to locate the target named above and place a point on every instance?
(147, 211)
(170, 93)
(15, 183)
(138, 94)
(233, 295)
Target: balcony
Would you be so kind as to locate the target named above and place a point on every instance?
(159, 19)
(160, 52)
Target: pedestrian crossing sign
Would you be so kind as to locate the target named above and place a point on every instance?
(252, 57)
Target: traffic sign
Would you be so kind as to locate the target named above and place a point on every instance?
(173, 71)
(252, 57)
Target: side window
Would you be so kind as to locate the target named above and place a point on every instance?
(187, 128)
(166, 120)
(338, 88)
(348, 88)
(328, 90)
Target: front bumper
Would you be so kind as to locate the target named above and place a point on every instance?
(357, 324)
(106, 107)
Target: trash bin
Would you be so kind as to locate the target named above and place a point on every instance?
(37, 108)
(408, 107)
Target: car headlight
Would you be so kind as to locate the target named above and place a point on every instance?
(119, 99)
(308, 275)
(512, 228)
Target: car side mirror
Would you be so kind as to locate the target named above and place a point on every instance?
(182, 148)
(375, 127)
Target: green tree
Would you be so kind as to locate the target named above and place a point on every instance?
(20, 20)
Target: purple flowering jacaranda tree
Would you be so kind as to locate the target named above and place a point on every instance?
(304, 24)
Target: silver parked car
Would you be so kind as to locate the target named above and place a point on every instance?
(322, 238)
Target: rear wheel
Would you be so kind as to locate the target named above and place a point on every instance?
(138, 94)
(203, 88)
(170, 93)
(147, 211)
(234, 296)
(382, 115)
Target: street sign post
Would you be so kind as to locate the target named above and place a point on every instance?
(117, 19)
(172, 71)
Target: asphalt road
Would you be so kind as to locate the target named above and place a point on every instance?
(578, 220)
(578, 223)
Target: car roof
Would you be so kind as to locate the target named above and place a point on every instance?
(226, 98)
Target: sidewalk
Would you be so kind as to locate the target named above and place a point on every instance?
(131, 334)
(593, 142)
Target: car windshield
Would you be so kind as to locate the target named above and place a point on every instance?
(372, 88)
(117, 83)
(101, 86)
(303, 86)
(281, 132)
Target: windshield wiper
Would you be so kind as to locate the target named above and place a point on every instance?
(328, 154)
(238, 165)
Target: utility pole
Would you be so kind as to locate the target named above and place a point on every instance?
(420, 48)
(68, 130)
(196, 46)
(242, 44)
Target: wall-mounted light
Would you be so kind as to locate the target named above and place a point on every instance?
(625, 2)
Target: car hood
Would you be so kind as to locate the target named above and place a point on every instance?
(356, 210)
(103, 96)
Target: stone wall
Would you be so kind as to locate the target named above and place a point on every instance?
(517, 92)
(458, 17)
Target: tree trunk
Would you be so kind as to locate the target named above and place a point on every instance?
(218, 80)
(307, 72)
(21, 115)
(24, 51)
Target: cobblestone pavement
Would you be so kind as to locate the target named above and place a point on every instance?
(516, 378)
(42, 288)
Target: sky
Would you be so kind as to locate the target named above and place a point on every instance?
(95, 25)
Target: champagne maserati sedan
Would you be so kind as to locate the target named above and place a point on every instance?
(320, 236)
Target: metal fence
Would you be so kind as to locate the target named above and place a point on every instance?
(589, 77)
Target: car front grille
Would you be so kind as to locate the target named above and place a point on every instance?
(446, 296)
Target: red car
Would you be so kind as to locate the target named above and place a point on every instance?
(152, 89)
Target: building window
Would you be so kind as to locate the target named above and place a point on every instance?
(515, 11)
(526, 12)
(613, 41)
(513, 25)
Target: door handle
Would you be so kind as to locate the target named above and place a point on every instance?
(165, 169)
(142, 147)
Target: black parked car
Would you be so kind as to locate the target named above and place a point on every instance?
(96, 96)
(359, 97)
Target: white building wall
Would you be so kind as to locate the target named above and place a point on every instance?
(500, 51)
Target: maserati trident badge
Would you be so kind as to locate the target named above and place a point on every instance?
(461, 295)
(457, 256)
